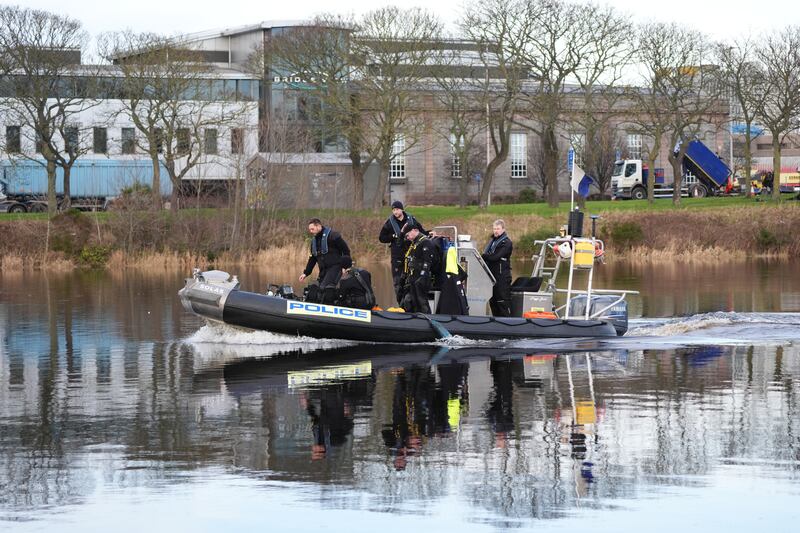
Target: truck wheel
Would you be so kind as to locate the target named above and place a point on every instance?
(18, 208)
(698, 191)
(638, 193)
(38, 208)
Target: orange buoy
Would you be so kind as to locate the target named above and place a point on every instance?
(377, 308)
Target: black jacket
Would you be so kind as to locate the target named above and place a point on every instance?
(497, 256)
(337, 248)
(398, 244)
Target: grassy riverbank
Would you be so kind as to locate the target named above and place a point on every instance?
(701, 230)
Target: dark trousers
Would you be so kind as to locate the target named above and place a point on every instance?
(397, 281)
(416, 299)
(326, 286)
(500, 303)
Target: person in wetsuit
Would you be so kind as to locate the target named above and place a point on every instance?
(418, 271)
(497, 256)
(327, 249)
(391, 234)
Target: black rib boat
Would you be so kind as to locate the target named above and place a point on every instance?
(216, 296)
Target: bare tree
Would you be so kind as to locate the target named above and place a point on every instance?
(499, 27)
(680, 91)
(168, 94)
(50, 88)
(605, 57)
(317, 62)
(393, 47)
(463, 125)
(779, 55)
(743, 78)
(563, 39)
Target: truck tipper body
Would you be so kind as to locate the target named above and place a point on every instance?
(93, 183)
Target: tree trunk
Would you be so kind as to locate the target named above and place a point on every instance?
(66, 202)
(156, 189)
(52, 204)
(651, 178)
(677, 176)
(776, 166)
(748, 162)
(550, 156)
(382, 188)
(486, 184)
(358, 183)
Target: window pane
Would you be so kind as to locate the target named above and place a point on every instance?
(128, 141)
(211, 141)
(237, 141)
(71, 140)
(13, 140)
(182, 137)
(519, 155)
(397, 167)
(634, 146)
(100, 140)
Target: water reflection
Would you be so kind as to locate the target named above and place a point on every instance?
(99, 395)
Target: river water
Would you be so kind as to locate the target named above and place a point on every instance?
(121, 412)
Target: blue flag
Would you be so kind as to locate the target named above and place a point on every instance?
(580, 181)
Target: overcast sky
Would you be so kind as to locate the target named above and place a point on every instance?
(720, 19)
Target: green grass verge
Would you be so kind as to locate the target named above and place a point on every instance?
(436, 214)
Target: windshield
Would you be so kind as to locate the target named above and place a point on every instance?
(618, 166)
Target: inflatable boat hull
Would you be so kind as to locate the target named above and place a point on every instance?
(293, 317)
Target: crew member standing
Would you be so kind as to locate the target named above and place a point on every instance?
(327, 249)
(497, 256)
(392, 235)
(418, 271)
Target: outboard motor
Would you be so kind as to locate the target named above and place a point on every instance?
(205, 293)
(617, 314)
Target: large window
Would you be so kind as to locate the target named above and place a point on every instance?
(519, 155)
(634, 146)
(71, 139)
(456, 145)
(182, 141)
(397, 167)
(13, 140)
(128, 140)
(237, 141)
(100, 140)
(210, 141)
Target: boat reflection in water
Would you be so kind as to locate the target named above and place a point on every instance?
(425, 403)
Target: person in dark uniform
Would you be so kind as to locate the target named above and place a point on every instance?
(417, 273)
(327, 249)
(355, 287)
(497, 256)
(392, 235)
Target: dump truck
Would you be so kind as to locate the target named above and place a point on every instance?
(704, 174)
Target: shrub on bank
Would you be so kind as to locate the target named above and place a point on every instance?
(626, 235)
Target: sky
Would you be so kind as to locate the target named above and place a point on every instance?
(720, 19)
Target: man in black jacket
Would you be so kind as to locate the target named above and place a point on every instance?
(497, 256)
(420, 260)
(391, 234)
(355, 287)
(327, 249)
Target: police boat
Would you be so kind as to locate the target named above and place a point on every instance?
(216, 296)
